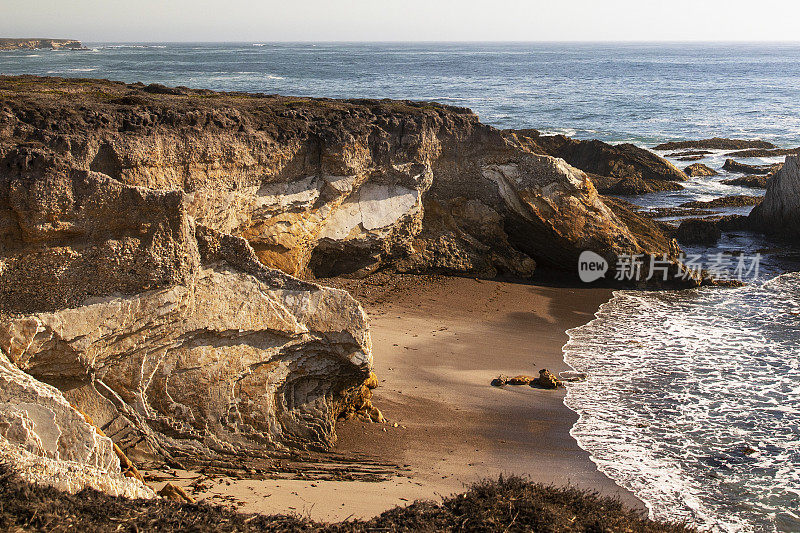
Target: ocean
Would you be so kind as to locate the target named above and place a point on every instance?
(693, 398)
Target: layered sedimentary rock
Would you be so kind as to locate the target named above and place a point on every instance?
(172, 337)
(322, 187)
(151, 239)
(48, 442)
(779, 213)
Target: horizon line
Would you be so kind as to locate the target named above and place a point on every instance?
(418, 41)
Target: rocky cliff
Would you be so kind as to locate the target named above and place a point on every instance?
(779, 213)
(151, 241)
(35, 44)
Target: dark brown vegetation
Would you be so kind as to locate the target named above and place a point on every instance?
(509, 504)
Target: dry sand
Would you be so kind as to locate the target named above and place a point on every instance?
(438, 342)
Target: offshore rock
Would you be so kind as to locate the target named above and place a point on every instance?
(699, 231)
(699, 170)
(35, 44)
(743, 168)
(622, 161)
(749, 181)
(717, 143)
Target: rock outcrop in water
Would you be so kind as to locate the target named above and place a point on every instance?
(150, 238)
(743, 168)
(615, 169)
(35, 44)
(699, 170)
(779, 213)
(717, 143)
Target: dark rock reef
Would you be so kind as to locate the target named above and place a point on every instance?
(743, 168)
(725, 201)
(613, 168)
(717, 143)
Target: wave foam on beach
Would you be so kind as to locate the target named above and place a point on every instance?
(692, 402)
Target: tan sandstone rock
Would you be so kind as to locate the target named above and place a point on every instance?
(48, 442)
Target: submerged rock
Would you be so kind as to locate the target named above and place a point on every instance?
(779, 213)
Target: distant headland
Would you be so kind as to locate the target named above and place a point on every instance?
(35, 44)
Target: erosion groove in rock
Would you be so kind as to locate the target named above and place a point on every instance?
(206, 352)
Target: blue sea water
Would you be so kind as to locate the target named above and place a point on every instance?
(693, 397)
(615, 92)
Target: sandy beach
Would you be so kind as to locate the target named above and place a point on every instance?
(438, 343)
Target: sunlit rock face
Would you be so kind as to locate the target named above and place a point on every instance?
(324, 188)
(48, 442)
(779, 213)
(173, 337)
(151, 242)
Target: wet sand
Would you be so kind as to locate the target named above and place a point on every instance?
(437, 343)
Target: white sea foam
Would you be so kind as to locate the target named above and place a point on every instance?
(67, 70)
(693, 402)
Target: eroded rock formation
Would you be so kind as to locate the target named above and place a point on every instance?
(615, 169)
(48, 442)
(171, 336)
(149, 237)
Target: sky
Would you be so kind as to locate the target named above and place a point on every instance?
(402, 20)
